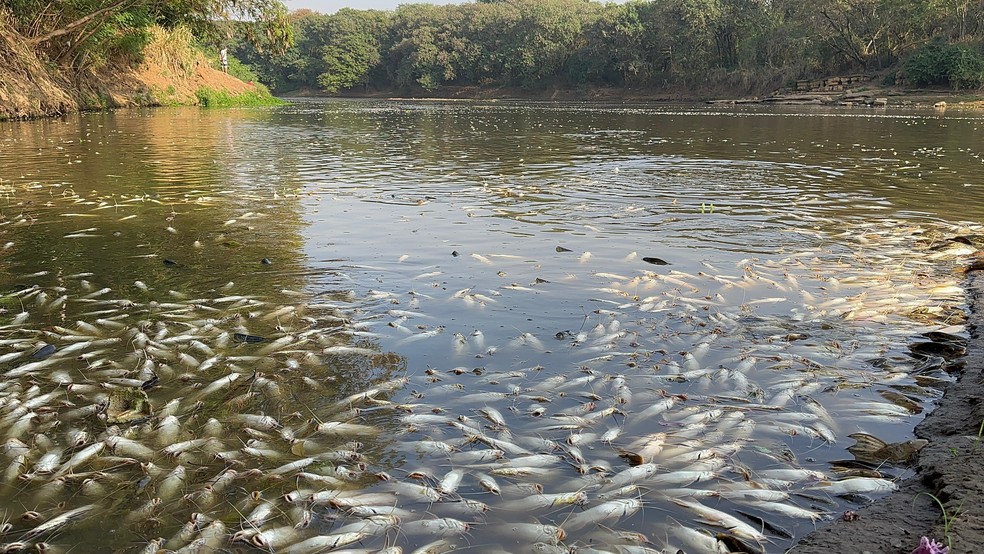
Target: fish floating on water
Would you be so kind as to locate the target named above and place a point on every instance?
(280, 422)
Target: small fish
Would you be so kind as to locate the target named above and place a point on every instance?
(655, 261)
(856, 485)
(697, 541)
(59, 522)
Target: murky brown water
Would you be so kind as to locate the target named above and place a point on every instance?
(426, 268)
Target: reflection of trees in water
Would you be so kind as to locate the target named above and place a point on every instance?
(151, 186)
(455, 145)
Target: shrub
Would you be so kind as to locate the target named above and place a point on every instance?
(942, 63)
(242, 71)
(213, 98)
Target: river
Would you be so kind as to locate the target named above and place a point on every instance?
(526, 327)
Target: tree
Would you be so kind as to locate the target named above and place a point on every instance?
(856, 29)
(351, 48)
(56, 28)
(426, 46)
(547, 33)
(490, 29)
(749, 46)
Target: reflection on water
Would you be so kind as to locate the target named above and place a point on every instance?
(500, 325)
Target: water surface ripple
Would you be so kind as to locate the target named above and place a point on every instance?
(499, 326)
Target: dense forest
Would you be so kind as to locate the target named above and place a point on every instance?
(738, 46)
(744, 46)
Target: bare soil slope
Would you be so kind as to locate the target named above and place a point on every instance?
(170, 74)
(28, 88)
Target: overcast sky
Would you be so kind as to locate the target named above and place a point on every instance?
(331, 6)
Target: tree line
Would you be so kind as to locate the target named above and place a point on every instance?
(742, 46)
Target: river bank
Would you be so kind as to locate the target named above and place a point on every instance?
(868, 97)
(945, 500)
(33, 88)
(169, 74)
(859, 97)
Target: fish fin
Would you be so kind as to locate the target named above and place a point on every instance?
(866, 447)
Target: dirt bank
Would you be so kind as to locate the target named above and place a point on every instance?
(31, 87)
(950, 468)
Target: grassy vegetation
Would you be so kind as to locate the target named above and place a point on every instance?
(212, 98)
(174, 50)
(947, 518)
(179, 56)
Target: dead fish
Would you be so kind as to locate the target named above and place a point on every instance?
(44, 351)
(947, 350)
(874, 450)
(766, 525)
(655, 261)
(940, 336)
(856, 486)
(976, 264)
(59, 522)
(902, 401)
(631, 458)
(696, 540)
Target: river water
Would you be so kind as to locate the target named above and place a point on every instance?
(526, 327)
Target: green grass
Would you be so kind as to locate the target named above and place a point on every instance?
(211, 98)
(947, 518)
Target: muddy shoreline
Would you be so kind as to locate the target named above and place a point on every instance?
(949, 468)
(941, 98)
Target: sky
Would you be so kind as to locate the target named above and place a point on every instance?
(331, 6)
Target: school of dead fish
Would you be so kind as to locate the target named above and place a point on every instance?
(671, 433)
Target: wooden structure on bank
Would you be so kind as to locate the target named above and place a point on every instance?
(832, 84)
(846, 90)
